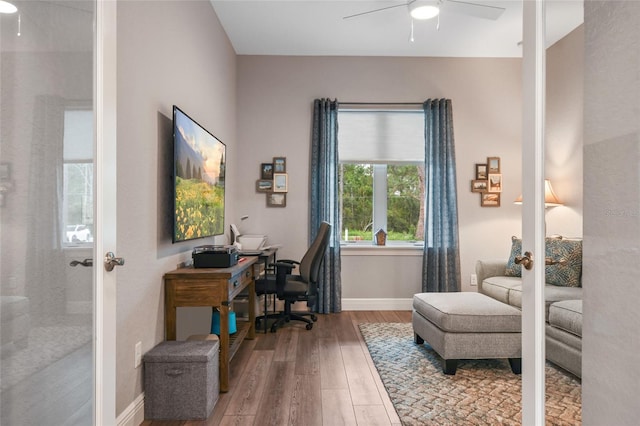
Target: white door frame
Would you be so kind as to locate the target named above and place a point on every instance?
(533, 225)
(105, 218)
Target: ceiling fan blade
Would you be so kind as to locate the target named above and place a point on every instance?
(474, 9)
(374, 11)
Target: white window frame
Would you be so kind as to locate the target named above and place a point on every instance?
(88, 160)
(380, 186)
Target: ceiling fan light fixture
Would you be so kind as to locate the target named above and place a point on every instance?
(6, 7)
(423, 10)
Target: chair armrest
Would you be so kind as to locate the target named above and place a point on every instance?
(283, 268)
(489, 268)
(286, 265)
(288, 261)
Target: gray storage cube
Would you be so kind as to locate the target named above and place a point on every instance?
(181, 380)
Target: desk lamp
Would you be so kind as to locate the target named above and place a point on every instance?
(235, 233)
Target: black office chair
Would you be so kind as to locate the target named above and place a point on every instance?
(296, 288)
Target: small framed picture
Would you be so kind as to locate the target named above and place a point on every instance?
(264, 185)
(493, 165)
(479, 185)
(276, 199)
(280, 182)
(481, 171)
(490, 199)
(495, 183)
(279, 164)
(266, 171)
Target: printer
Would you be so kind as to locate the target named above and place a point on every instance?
(212, 256)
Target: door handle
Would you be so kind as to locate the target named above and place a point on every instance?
(86, 262)
(526, 260)
(110, 260)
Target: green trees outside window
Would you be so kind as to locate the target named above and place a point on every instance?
(404, 201)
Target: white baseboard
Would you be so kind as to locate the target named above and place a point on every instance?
(133, 415)
(377, 304)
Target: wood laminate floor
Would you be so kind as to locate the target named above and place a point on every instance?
(295, 376)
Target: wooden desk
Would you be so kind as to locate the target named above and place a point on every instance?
(214, 287)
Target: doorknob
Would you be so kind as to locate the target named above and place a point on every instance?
(526, 260)
(86, 262)
(110, 260)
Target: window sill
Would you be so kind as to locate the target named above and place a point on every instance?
(369, 249)
(80, 246)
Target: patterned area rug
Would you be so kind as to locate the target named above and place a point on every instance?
(46, 346)
(482, 392)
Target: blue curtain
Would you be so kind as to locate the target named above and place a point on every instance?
(324, 200)
(441, 257)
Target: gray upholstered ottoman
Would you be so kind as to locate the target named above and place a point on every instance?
(467, 326)
(181, 380)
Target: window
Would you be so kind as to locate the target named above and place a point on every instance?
(77, 202)
(381, 174)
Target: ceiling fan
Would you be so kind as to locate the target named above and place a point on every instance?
(427, 9)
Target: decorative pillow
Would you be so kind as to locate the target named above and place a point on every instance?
(556, 250)
(568, 274)
(514, 270)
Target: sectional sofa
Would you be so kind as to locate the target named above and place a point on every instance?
(502, 281)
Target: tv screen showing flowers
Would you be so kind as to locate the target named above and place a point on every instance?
(199, 175)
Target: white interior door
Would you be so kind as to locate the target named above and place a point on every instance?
(533, 226)
(105, 279)
(57, 213)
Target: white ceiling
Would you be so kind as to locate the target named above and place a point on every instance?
(317, 27)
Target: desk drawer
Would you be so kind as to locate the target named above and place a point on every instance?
(240, 280)
(195, 293)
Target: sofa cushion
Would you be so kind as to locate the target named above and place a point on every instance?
(567, 315)
(569, 273)
(551, 294)
(467, 312)
(499, 287)
(554, 293)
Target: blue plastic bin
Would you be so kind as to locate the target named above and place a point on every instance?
(215, 322)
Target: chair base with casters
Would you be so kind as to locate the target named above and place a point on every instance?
(296, 288)
(267, 287)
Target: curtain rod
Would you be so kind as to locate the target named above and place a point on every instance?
(380, 103)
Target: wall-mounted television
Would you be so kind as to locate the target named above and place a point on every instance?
(199, 165)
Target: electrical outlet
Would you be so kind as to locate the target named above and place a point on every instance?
(474, 280)
(138, 355)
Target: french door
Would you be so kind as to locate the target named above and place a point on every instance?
(57, 213)
(533, 226)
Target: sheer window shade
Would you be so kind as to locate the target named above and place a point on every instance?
(388, 137)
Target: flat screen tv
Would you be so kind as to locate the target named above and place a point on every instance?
(199, 162)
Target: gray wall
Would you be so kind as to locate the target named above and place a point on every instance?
(564, 132)
(275, 96)
(169, 52)
(610, 369)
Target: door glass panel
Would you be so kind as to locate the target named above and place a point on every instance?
(46, 213)
(564, 169)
